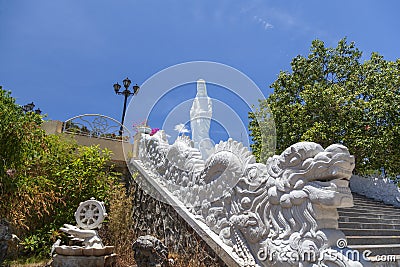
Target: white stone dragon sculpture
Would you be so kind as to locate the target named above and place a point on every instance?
(282, 213)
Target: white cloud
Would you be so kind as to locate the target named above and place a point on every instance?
(180, 128)
(266, 25)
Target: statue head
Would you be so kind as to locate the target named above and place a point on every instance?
(201, 88)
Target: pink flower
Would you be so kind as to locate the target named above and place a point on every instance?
(154, 130)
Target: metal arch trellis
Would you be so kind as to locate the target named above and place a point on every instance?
(96, 125)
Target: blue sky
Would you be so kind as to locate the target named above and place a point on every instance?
(65, 55)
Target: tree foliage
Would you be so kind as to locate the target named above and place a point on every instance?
(330, 96)
(43, 178)
(18, 133)
(262, 128)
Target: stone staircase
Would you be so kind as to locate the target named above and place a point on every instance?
(374, 226)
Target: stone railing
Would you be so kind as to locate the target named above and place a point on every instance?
(251, 214)
(378, 188)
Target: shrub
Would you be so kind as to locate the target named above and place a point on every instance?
(43, 178)
(118, 228)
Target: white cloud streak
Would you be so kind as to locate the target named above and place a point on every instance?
(266, 25)
(180, 128)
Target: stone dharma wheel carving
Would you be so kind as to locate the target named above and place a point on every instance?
(90, 214)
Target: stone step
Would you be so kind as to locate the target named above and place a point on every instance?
(372, 211)
(372, 202)
(362, 200)
(376, 207)
(369, 225)
(378, 263)
(352, 213)
(382, 250)
(370, 232)
(365, 199)
(374, 226)
(357, 196)
(358, 219)
(373, 240)
(360, 197)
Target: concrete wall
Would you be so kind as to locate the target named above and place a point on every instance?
(119, 148)
(52, 127)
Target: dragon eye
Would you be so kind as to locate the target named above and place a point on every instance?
(295, 160)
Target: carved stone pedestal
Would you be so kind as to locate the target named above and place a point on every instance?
(84, 261)
(89, 216)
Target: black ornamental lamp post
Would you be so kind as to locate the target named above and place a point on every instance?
(29, 108)
(126, 93)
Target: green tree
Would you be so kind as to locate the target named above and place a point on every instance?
(262, 127)
(330, 96)
(18, 133)
(43, 178)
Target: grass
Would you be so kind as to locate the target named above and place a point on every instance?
(30, 262)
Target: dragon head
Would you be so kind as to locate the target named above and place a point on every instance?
(306, 169)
